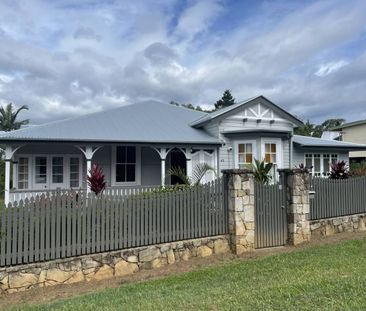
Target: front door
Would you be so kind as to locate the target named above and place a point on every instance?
(41, 173)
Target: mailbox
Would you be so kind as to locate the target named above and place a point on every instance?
(311, 194)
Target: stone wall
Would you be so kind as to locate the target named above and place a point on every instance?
(240, 193)
(330, 226)
(298, 185)
(107, 265)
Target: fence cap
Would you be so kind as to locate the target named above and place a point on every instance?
(237, 171)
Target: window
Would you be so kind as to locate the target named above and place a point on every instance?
(41, 170)
(74, 172)
(23, 169)
(57, 170)
(270, 153)
(320, 164)
(125, 164)
(245, 154)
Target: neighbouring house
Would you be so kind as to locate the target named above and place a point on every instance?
(136, 144)
(353, 132)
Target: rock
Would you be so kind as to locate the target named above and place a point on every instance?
(329, 230)
(105, 272)
(75, 278)
(204, 251)
(156, 263)
(18, 280)
(123, 268)
(132, 258)
(42, 276)
(89, 263)
(221, 247)
(240, 249)
(196, 243)
(170, 256)
(4, 284)
(57, 275)
(149, 254)
(165, 248)
(186, 255)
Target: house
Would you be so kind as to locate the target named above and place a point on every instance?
(136, 145)
(353, 132)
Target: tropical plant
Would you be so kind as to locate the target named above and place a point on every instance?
(198, 173)
(8, 118)
(303, 168)
(339, 170)
(96, 180)
(261, 171)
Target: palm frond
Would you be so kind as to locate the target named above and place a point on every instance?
(200, 171)
(180, 174)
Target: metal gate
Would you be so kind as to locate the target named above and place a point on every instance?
(270, 215)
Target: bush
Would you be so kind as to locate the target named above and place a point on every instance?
(358, 169)
(339, 170)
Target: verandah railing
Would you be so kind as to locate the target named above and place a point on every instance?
(66, 225)
(334, 198)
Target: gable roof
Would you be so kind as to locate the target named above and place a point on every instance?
(349, 124)
(233, 108)
(145, 122)
(314, 142)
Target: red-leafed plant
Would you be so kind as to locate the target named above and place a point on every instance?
(96, 180)
(339, 170)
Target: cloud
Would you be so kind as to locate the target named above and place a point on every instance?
(65, 58)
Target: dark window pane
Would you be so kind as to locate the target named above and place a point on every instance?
(121, 154)
(130, 172)
(131, 154)
(120, 173)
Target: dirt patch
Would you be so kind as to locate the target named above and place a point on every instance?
(47, 294)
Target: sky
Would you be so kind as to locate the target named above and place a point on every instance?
(65, 58)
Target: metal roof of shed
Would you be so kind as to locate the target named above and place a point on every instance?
(145, 122)
(314, 142)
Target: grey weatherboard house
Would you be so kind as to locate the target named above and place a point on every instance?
(136, 144)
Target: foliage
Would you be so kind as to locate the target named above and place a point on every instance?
(358, 169)
(8, 118)
(189, 106)
(303, 168)
(310, 129)
(261, 171)
(226, 100)
(96, 179)
(339, 170)
(198, 173)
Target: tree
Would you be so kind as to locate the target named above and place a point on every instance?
(8, 118)
(226, 100)
(198, 173)
(313, 130)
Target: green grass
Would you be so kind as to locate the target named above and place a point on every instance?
(331, 277)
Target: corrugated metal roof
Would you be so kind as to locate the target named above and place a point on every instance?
(146, 122)
(306, 141)
(213, 115)
(349, 124)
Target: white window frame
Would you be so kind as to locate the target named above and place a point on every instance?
(50, 186)
(16, 185)
(236, 150)
(279, 151)
(137, 182)
(321, 162)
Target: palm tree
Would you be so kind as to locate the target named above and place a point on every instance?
(198, 173)
(8, 118)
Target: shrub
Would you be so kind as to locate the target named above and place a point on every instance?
(96, 179)
(358, 169)
(339, 170)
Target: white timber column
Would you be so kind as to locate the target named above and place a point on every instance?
(88, 152)
(188, 154)
(163, 152)
(15, 174)
(9, 153)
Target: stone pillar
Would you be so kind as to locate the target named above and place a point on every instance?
(240, 196)
(298, 186)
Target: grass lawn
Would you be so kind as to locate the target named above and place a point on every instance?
(330, 277)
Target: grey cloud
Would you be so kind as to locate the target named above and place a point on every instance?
(87, 33)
